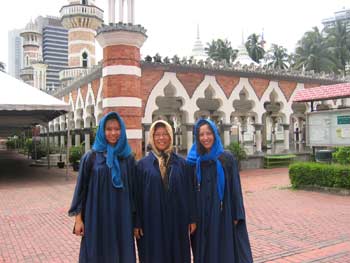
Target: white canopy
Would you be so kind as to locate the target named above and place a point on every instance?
(22, 105)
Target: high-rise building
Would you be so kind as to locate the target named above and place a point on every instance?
(341, 16)
(15, 51)
(54, 48)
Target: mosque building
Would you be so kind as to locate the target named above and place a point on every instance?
(242, 96)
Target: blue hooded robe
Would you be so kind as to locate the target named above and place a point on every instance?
(219, 203)
(103, 194)
(164, 211)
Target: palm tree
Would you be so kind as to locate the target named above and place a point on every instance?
(338, 38)
(313, 53)
(219, 50)
(2, 66)
(255, 48)
(277, 57)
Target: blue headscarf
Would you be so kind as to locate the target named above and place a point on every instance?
(120, 149)
(216, 150)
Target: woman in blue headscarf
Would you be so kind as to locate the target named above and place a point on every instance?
(221, 234)
(103, 203)
(165, 194)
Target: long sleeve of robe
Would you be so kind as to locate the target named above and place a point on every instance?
(107, 211)
(217, 238)
(164, 213)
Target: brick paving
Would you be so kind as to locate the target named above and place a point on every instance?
(284, 225)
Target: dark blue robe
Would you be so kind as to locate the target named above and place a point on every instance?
(106, 210)
(164, 213)
(217, 239)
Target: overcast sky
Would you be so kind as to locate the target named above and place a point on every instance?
(172, 25)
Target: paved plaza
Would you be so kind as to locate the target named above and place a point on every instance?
(284, 225)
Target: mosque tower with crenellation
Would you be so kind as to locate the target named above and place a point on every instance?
(121, 41)
(34, 69)
(81, 18)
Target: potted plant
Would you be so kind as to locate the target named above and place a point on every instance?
(60, 163)
(238, 151)
(75, 154)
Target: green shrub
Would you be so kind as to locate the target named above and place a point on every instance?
(75, 153)
(318, 174)
(10, 144)
(237, 150)
(342, 155)
(28, 146)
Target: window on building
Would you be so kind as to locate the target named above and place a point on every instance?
(84, 2)
(85, 60)
(27, 61)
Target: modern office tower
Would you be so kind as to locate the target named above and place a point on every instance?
(54, 49)
(341, 16)
(15, 51)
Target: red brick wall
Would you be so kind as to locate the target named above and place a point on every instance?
(149, 80)
(95, 85)
(227, 84)
(74, 96)
(287, 88)
(121, 55)
(121, 85)
(259, 85)
(83, 90)
(136, 146)
(190, 81)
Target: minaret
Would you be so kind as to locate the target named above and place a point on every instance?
(32, 39)
(243, 57)
(39, 74)
(81, 18)
(198, 51)
(121, 43)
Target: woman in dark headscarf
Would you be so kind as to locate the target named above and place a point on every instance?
(102, 202)
(221, 234)
(165, 203)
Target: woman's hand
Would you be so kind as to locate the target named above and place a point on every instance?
(138, 233)
(192, 228)
(79, 228)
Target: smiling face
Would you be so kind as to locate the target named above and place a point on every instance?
(161, 138)
(206, 137)
(112, 131)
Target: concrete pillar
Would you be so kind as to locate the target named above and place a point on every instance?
(258, 139)
(189, 133)
(87, 139)
(300, 130)
(146, 127)
(77, 137)
(51, 139)
(111, 11)
(121, 74)
(62, 141)
(286, 137)
(121, 10)
(227, 129)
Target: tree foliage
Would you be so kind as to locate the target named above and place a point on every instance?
(219, 50)
(277, 57)
(255, 48)
(314, 53)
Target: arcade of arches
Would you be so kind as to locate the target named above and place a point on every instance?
(257, 111)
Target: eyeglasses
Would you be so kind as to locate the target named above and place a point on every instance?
(159, 135)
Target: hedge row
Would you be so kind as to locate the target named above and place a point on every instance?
(317, 174)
